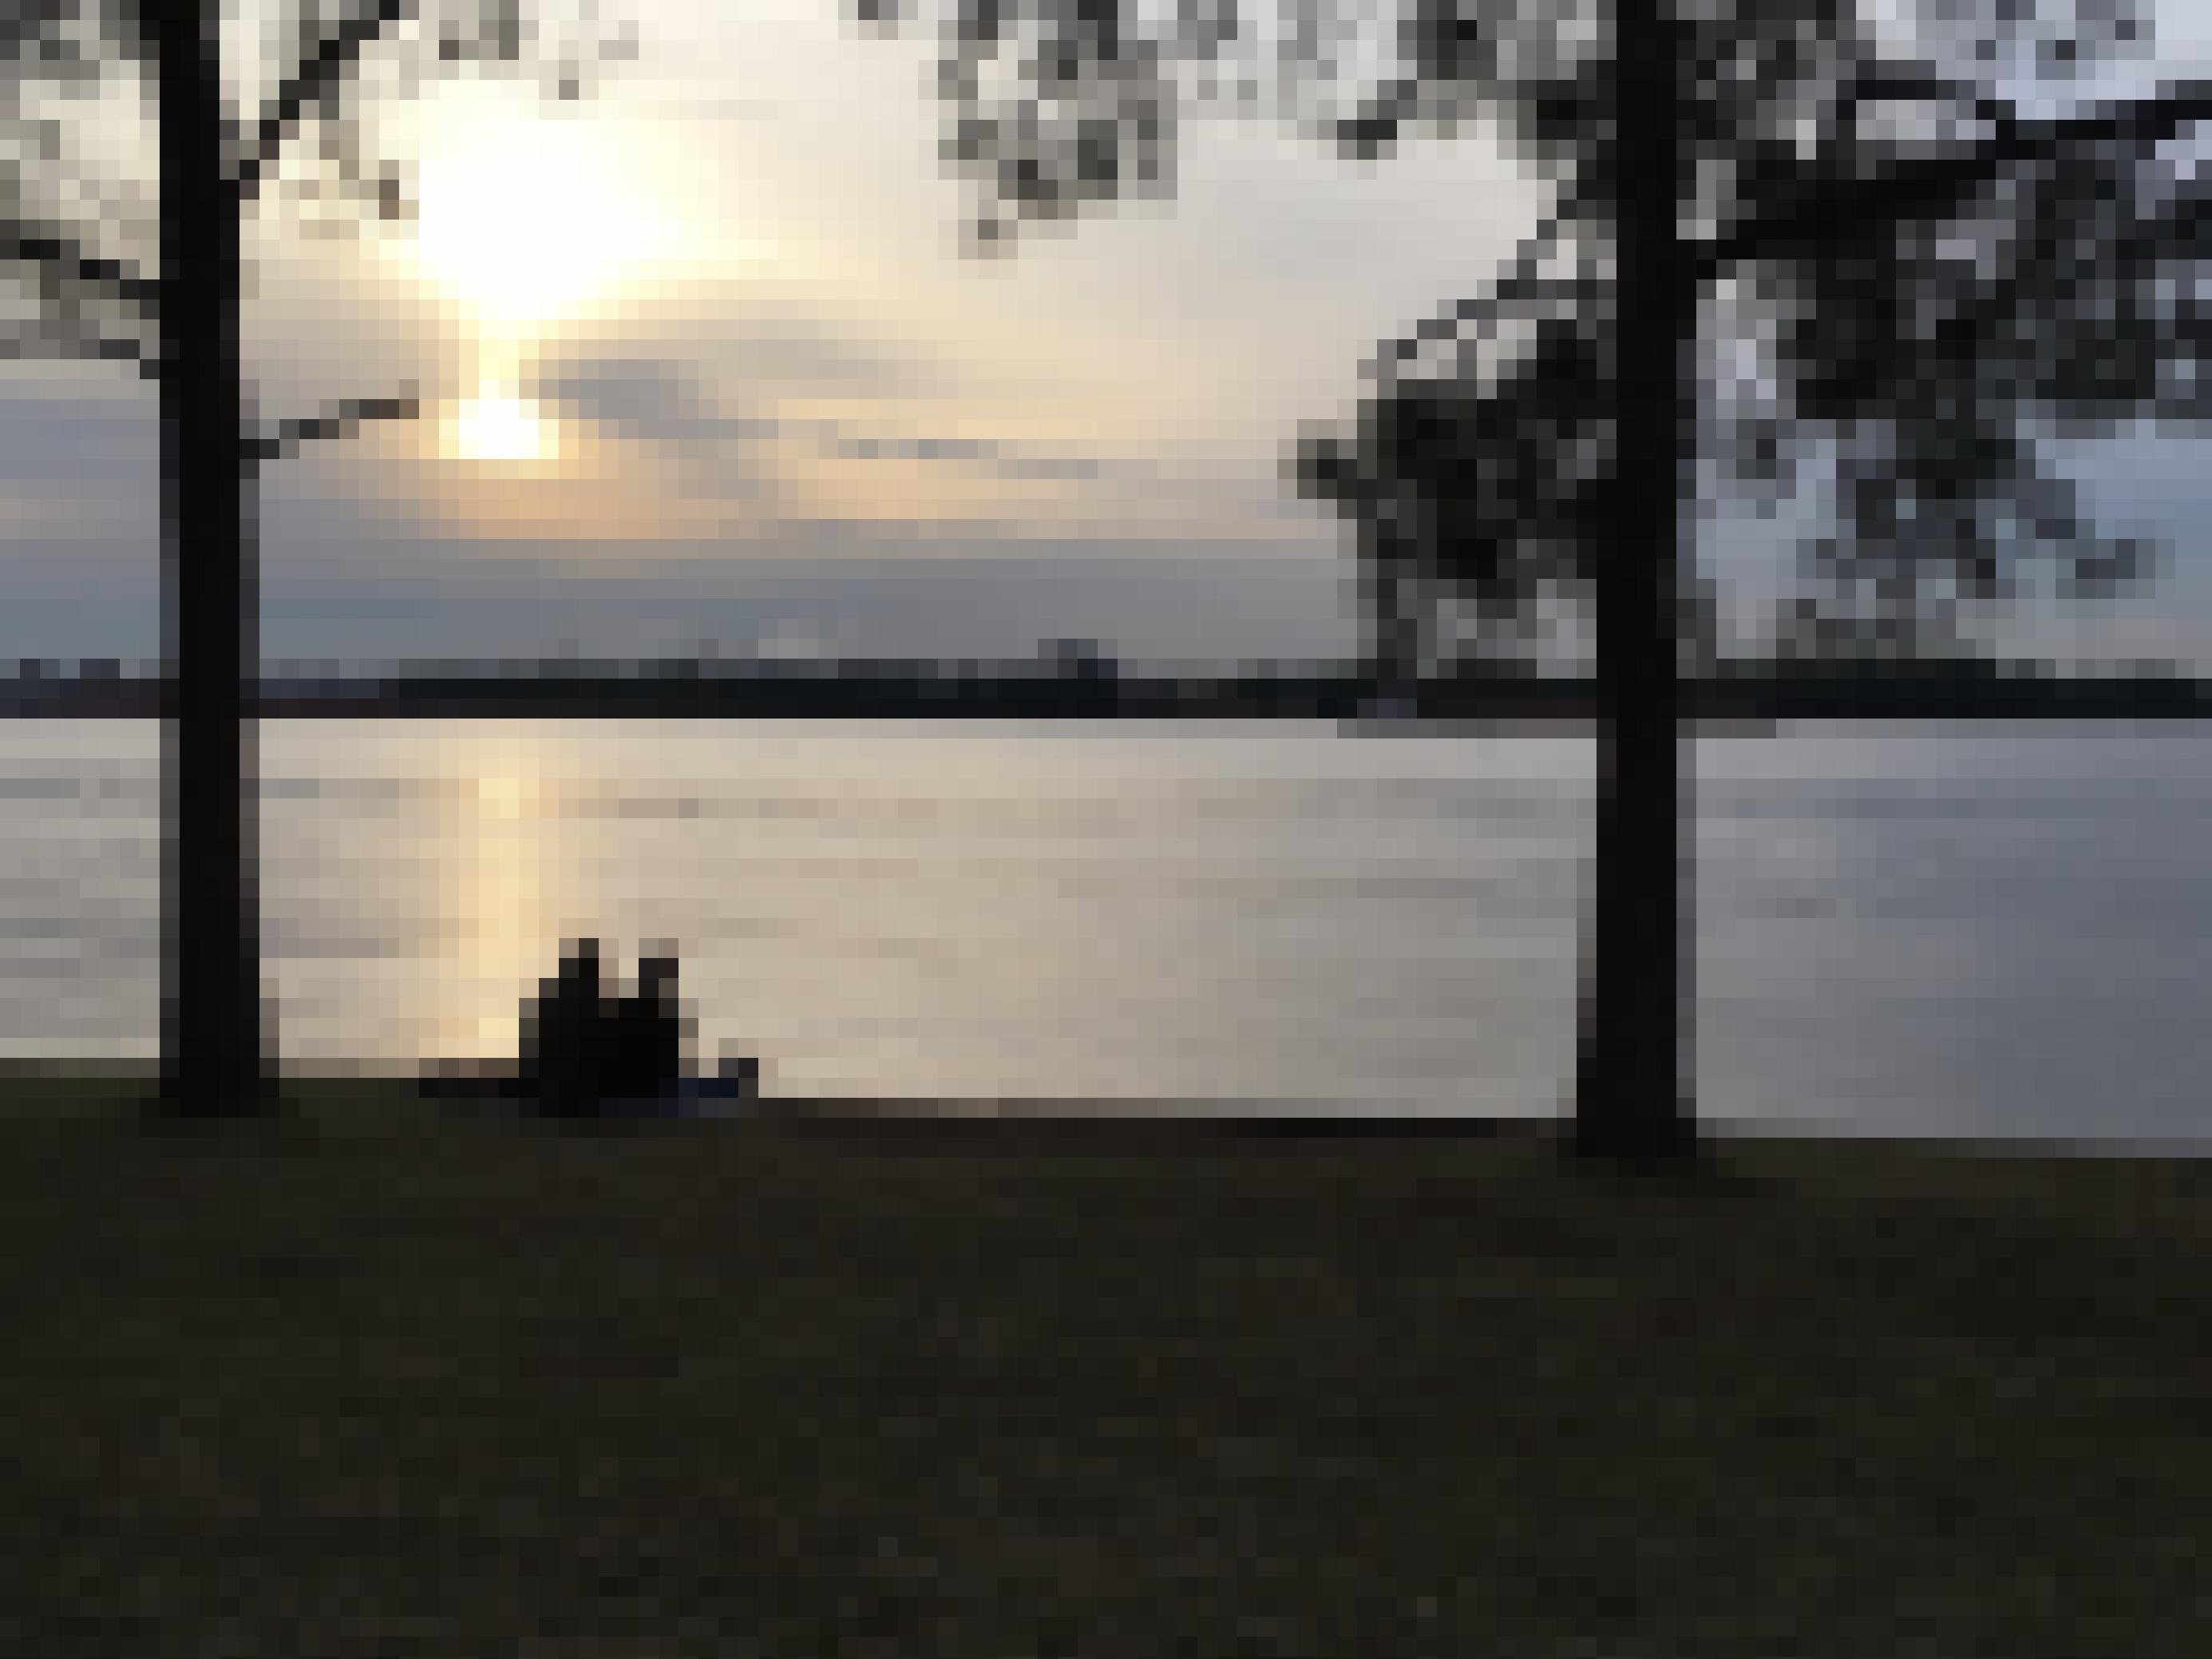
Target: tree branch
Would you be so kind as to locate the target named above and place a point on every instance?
(319, 71)
(1810, 217)
(59, 258)
(47, 342)
(340, 420)
(86, 305)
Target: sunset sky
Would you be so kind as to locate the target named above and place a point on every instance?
(704, 361)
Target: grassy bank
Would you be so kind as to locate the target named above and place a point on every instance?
(374, 1380)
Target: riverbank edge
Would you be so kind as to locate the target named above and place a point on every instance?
(341, 1103)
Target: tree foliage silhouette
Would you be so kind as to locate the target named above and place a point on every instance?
(129, 173)
(1937, 283)
(1935, 275)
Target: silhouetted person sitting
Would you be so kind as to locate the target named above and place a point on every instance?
(564, 1046)
(645, 1034)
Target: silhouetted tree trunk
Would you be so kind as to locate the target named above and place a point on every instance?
(214, 1057)
(2084, 312)
(1396, 636)
(180, 323)
(1632, 1083)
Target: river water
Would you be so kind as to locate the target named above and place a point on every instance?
(1994, 931)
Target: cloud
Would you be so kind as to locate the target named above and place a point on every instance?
(1188, 606)
(762, 339)
(656, 400)
(1009, 460)
(672, 404)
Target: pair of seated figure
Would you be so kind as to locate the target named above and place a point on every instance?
(582, 1047)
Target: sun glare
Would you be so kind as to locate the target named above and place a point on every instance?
(498, 426)
(529, 221)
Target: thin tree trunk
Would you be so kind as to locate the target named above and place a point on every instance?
(1634, 1093)
(1395, 630)
(214, 1056)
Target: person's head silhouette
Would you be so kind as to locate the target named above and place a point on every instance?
(563, 1054)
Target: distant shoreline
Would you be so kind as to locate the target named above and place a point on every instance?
(908, 691)
(32, 1088)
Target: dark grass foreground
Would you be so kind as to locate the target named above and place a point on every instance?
(377, 1381)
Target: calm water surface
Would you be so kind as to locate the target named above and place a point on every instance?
(1992, 931)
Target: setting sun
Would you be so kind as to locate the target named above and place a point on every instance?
(496, 425)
